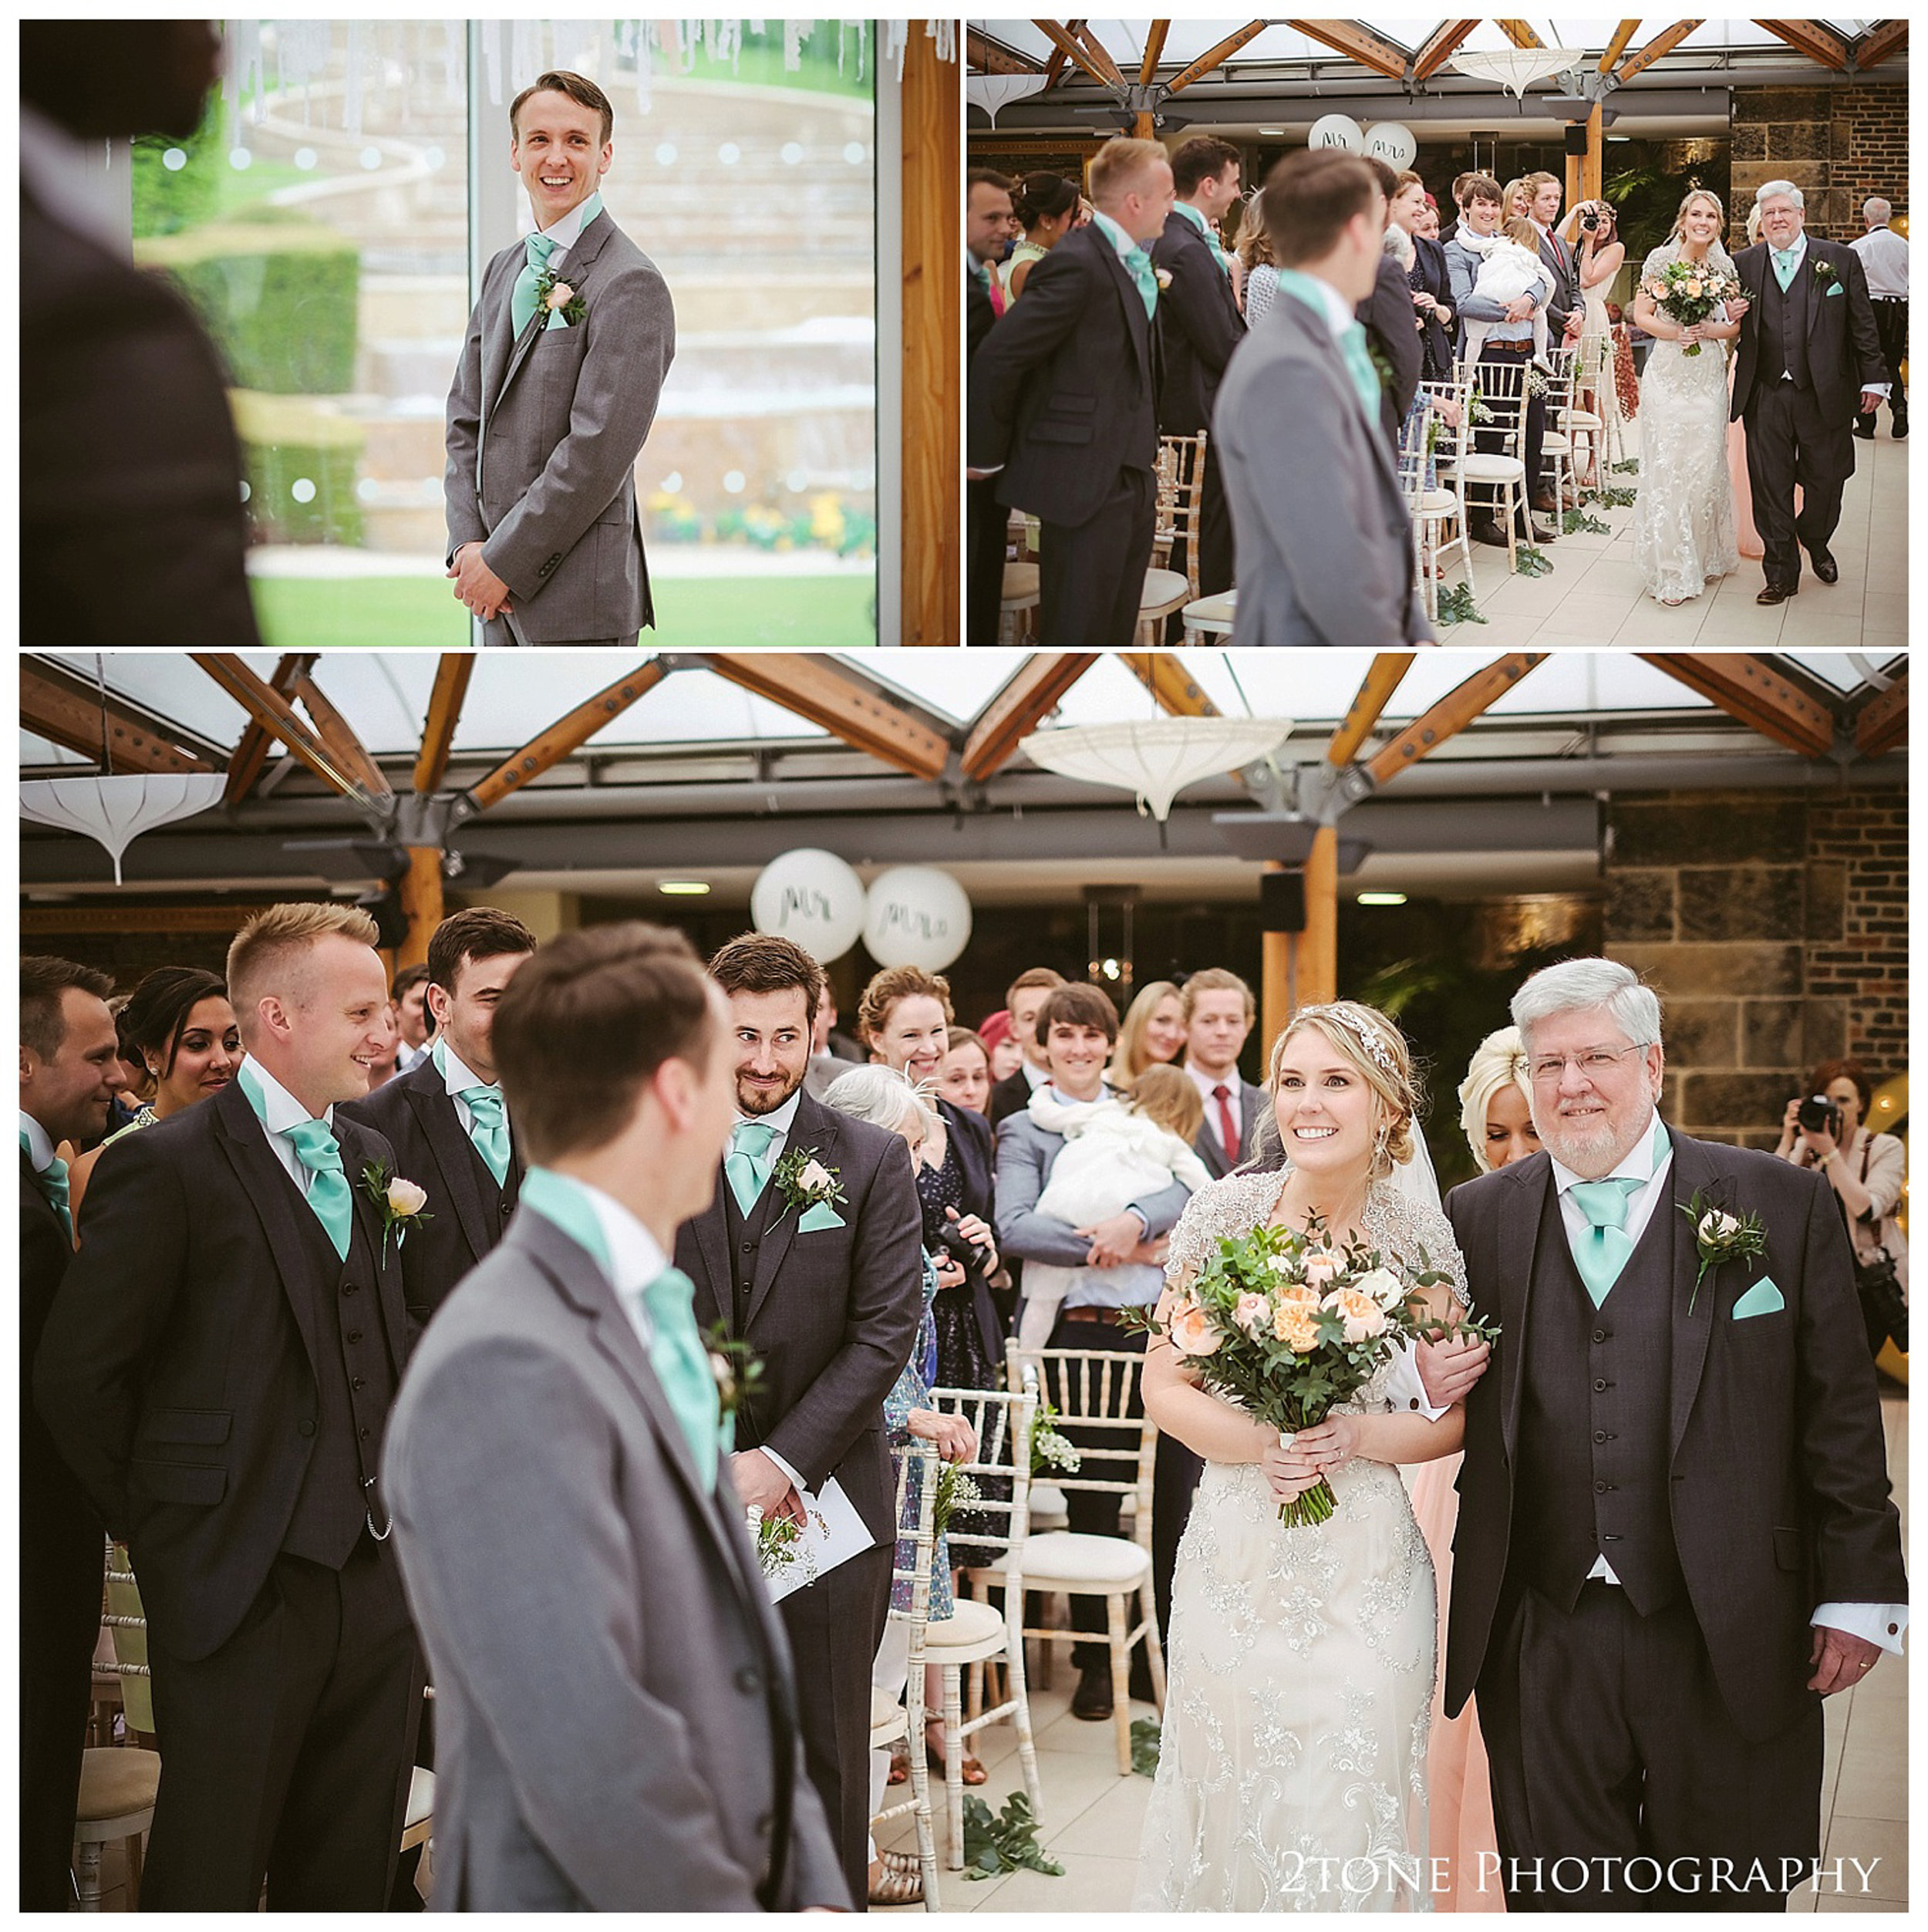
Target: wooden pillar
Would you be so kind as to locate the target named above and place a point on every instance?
(1145, 128)
(932, 455)
(1593, 170)
(1302, 968)
(1574, 177)
(422, 902)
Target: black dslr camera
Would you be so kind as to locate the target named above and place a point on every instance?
(965, 1252)
(1818, 1115)
(1589, 218)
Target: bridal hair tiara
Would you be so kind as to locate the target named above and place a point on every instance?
(1369, 1037)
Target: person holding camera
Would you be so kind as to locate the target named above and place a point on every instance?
(1823, 1128)
(1594, 234)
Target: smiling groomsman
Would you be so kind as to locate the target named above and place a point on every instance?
(821, 1275)
(218, 1370)
(565, 358)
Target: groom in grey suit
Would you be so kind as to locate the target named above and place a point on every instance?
(616, 1710)
(1324, 543)
(564, 361)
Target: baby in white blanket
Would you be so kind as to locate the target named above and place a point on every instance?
(1512, 268)
(1115, 1151)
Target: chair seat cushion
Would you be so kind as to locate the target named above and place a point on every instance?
(1206, 610)
(1553, 444)
(884, 1708)
(1062, 1559)
(1479, 467)
(115, 1782)
(1020, 583)
(1438, 503)
(1163, 590)
(970, 1623)
(1580, 419)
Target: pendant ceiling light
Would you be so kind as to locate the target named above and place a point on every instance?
(993, 93)
(1154, 759)
(1516, 68)
(114, 812)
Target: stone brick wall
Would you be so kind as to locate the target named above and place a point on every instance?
(1838, 144)
(1774, 926)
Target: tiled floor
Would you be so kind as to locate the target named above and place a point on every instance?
(1094, 1817)
(1593, 596)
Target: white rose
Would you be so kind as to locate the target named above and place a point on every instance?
(561, 295)
(1384, 1286)
(1716, 1226)
(405, 1198)
(815, 1175)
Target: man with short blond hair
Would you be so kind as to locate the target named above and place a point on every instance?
(217, 1369)
(1065, 412)
(1219, 1010)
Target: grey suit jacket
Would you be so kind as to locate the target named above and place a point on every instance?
(544, 431)
(615, 1726)
(1324, 543)
(1254, 1104)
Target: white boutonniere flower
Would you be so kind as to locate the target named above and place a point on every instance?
(400, 1202)
(1719, 1236)
(1162, 277)
(559, 298)
(806, 1182)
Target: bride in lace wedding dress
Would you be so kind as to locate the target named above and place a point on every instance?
(1684, 535)
(1292, 1769)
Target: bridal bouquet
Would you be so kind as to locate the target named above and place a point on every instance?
(1287, 1324)
(1688, 292)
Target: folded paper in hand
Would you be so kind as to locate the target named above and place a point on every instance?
(833, 1534)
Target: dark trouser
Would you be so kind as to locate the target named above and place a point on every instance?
(1790, 443)
(835, 1627)
(1891, 330)
(1493, 442)
(1091, 578)
(61, 1567)
(288, 1752)
(1608, 1739)
(986, 520)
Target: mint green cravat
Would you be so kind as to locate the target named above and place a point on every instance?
(489, 1128)
(1785, 262)
(747, 1166)
(681, 1365)
(51, 1180)
(1352, 337)
(1603, 1250)
(1137, 261)
(536, 251)
(1211, 234)
(328, 1193)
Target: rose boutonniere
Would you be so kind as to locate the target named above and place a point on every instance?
(737, 1368)
(401, 1203)
(1719, 1236)
(1163, 278)
(557, 296)
(1825, 271)
(806, 1182)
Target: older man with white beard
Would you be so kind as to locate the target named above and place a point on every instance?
(1675, 1533)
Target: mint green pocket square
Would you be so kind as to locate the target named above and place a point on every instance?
(1762, 1298)
(819, 1217)
(1834, 288)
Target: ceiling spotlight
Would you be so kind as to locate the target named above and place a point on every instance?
(690, 888)
(1382, 898)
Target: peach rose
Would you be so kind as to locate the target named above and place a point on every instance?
(1363, 1317)
(1321, 1267)
(561, 295)
(1192, 1333)
(406, 1198)
(1297, 1325)
(1252, 1313)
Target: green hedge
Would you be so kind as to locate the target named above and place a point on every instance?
(286, 438)
(279, 295)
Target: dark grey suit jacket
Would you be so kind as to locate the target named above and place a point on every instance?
(615, 1707)
(1253, 1107)
(544, 430)
(1844, 352)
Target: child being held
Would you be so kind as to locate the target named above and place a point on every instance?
(1115, 1151)
(1512, 268)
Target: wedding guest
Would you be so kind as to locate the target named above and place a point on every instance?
(1430, 285)
(1006, 1055)
(618, 1707)
(382, 1065)
(124, 424)
(1884, 257)
(1592, 231)
(411, 1013)
(1026, 994)
(179, 1021)
(1657, 1568)
(965, 1077)
(217, 1369)
(1064, 413)
(1252, 251)
(987, 220)
(1324, 541)
(1218, 1011)
(846, 1244)
(550, 552)
(1198, 327)
(831, 1052)
(1390, 322)
(1151, 1034)
(1046, 206)
(70, 1070)
(448, 1121)
(1427, 227)
(1459, 204)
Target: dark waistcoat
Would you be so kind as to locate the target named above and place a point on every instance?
(1592, 1450)
(1784, 325)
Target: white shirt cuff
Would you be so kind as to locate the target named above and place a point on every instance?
(1406, 1391)
(1877, 388)
(1882, 1623)
(796, 1482)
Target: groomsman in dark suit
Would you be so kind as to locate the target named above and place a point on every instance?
(1391, 326)
(1024, 997)
(70, 1070)
(1066, 415)
(1199, 325)
(448, 1121)
(1675, 1535)
(1218, 1010)
(217, 1369)
(812, 1253)
(1565, 311)
(988, 218)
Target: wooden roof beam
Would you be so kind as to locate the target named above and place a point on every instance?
(1661, 43)
(1755, 691)
(272, 712)
(1446, 41)
(571, 731)
(1162, 674)
(1622, 38)
(987, 57)
(1520, 32)
(1383, 678)
(250, 757)
(1882, 723)
(1032, 695)
(864, 717)
(1153, 49)
(1074, 49)
(62, 707)
(1819, 42)
(1060, 64)
(452, 676)
(1088, 37)
(1884, 38)
(336, 734)
(1214, 58)
(1452, 714)
(1357, 42)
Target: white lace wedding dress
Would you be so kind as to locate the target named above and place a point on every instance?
(1684, 534)
(1299, 1673)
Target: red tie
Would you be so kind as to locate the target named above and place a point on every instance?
(1228, 1122)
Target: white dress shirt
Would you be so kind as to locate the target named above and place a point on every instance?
(458, 1079)
(1208, 1085)
(783, 1119)
(408, 1058)
(566, 232)
(279, 1111)
(1034, 1076)
(1884, 254)
(634, 1260)
(40, 1148)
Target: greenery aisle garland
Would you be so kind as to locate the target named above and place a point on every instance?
(1456, 605)
(1005, 1841)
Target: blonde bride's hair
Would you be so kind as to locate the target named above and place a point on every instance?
(1376, 1047)
(1687, 200)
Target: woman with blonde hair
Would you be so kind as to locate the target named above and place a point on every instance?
(1259, 273)
(1282, 1637)
(1151, 1034)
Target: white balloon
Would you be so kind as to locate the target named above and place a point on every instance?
(1392, 143)
(811, 896)
(917, 916)
(1337, 130)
